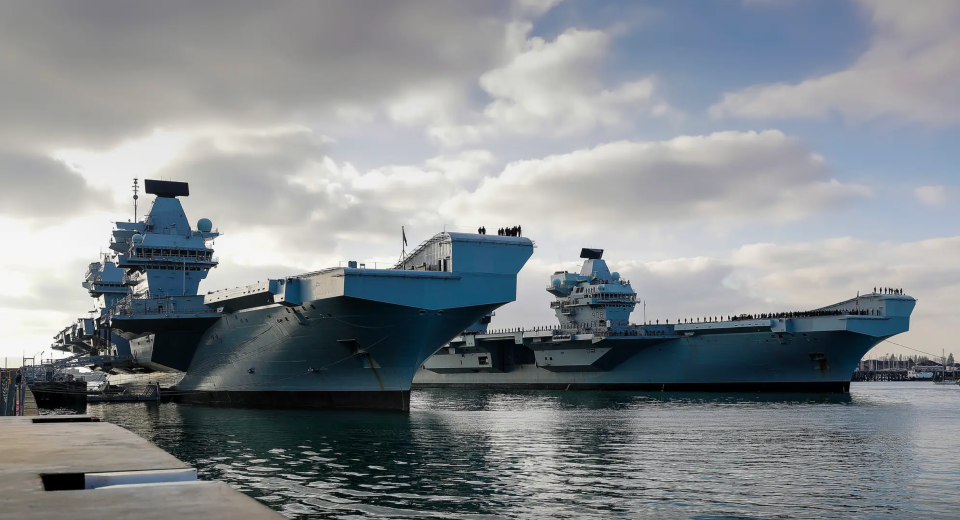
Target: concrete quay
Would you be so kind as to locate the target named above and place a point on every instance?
(29, 404)
(76, 467)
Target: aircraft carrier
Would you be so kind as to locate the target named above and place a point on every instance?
(344, 337)
(595, 347)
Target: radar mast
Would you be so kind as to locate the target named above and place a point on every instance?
(136, 189)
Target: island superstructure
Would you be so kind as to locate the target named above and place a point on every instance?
(344, 337)
(594, 346)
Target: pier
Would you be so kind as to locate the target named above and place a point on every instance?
(882, 375)
(74, 466)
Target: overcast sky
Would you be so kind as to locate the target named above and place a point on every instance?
(730, 156)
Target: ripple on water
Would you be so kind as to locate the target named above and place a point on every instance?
(882, 452)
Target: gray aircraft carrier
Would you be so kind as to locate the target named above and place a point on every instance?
(345, 337)
(594, 346)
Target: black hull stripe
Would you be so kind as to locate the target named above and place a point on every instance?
(347, 400)
(841, 387)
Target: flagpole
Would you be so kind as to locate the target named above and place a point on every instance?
(403, 248)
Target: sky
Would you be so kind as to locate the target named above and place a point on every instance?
(729, 156)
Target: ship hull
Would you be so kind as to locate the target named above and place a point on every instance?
(339, 352)
(762, 361)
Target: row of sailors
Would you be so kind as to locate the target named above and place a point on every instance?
(888, 290)
(555, 331)
(504, 232)
(776, 315)
(807, 314)
(717, 319)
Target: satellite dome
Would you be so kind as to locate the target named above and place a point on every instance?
(137, 238)
(204, 225)
(615, 275)
(556, 282)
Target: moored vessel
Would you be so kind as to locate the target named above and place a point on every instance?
(344, 337)
(595, 347)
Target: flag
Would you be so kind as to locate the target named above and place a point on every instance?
(404, 233)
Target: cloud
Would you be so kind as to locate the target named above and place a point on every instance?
(534, 8)
(41, 282)
(910, 72)
(39, 187)
(90, 76)
(553, 87)
(271, 188)
(931, 195)
(724, 177)
(277, 193)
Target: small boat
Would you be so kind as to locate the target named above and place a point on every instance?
(150, 393)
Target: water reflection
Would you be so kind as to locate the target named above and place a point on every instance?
(469, 454)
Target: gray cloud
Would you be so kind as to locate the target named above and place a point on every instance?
(727, 176)
(34, 186)
(98, 71)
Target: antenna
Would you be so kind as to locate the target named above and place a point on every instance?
(136, 189)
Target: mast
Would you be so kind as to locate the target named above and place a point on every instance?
(136, 189)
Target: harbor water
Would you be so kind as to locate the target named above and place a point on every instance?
(886, 450)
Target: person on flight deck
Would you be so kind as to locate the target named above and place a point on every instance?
(519, 231)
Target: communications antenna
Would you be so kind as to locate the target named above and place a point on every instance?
(136, 189)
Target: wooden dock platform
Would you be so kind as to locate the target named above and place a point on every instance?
(63, 452)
